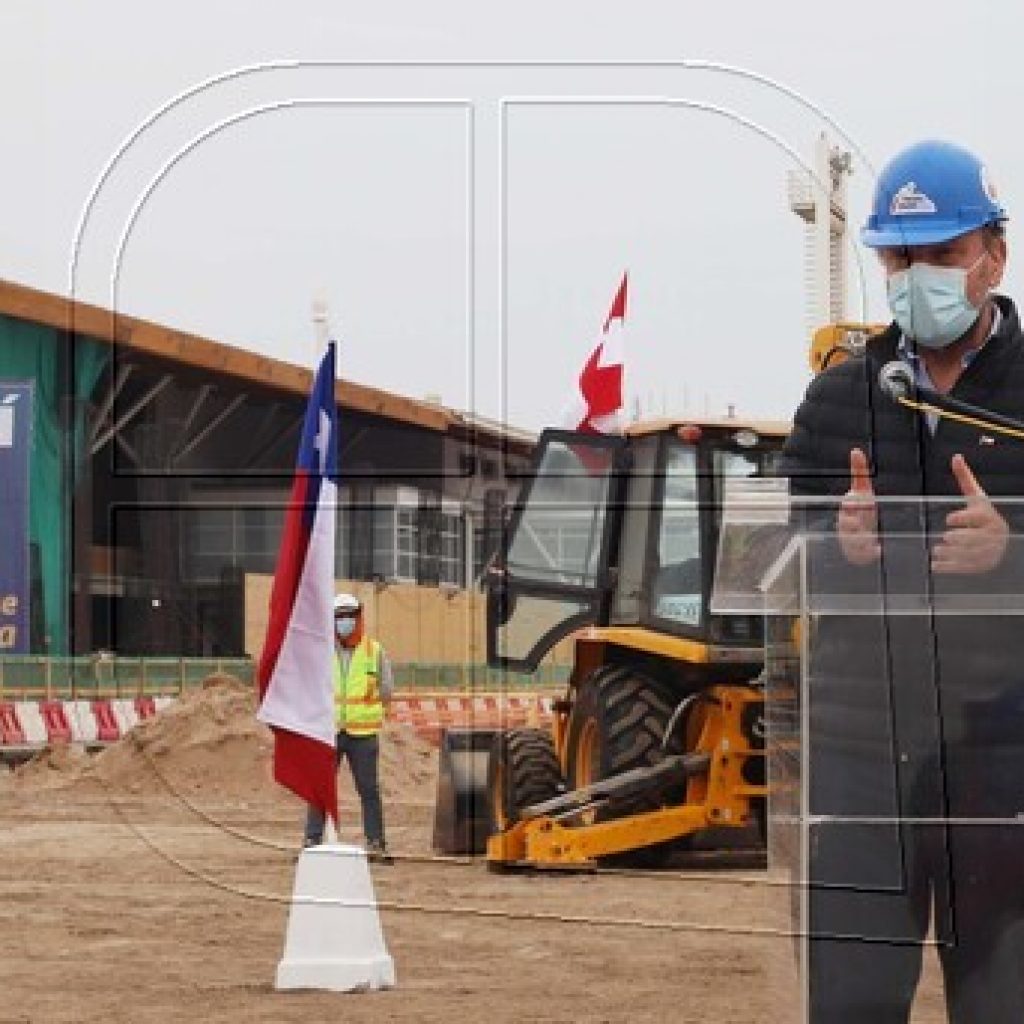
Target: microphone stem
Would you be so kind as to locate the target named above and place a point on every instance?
(969, 414)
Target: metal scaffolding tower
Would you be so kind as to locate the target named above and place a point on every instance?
(824, 216)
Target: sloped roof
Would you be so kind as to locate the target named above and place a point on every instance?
(215, 357)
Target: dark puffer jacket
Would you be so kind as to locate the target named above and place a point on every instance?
(845, 408)
(982, 657)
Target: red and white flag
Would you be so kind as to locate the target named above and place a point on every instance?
(295, 674)
(597, 405)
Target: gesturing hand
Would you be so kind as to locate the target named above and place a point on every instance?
(976, 535)
(857, 523)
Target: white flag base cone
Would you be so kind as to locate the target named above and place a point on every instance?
(334, 939)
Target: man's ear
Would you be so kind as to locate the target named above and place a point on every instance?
(997, 262)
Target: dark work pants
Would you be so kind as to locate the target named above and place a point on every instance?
(874, 888)
(363, 754)
(915, 743)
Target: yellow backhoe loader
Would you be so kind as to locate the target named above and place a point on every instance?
(658, 740)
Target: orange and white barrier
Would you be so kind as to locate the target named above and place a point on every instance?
(26, 725)
(12, 734)
(428, 714)
(85, 727)
(30, 720)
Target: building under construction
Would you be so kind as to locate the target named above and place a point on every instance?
(159, 468)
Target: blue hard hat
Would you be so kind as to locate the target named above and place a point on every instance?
(930, 193)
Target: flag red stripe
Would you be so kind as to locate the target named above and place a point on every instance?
(618, 310)
(307, 767)
(598, 401)
(601, 386)
(290, 562)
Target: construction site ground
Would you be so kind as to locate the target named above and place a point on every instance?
(150, 883)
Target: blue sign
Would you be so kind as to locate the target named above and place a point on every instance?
(15, 452)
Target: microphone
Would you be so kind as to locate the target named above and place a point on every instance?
(896, 379)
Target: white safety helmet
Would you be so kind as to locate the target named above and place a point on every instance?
(347, 604)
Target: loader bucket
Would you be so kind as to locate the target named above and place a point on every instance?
(461, 814)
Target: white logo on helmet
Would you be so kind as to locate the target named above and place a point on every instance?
(986, 185)
(910, 199)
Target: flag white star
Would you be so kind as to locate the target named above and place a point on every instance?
(323, 439)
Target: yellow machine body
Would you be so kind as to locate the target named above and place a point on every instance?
(704, 670)
(721, 797)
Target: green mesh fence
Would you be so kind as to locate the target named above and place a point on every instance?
(477, 677)
(38, 678)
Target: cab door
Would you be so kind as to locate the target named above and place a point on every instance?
(554, 570)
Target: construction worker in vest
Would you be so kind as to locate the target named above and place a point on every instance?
(363, 686)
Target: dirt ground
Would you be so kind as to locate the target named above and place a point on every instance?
(150, 883)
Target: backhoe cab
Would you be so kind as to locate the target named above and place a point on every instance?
(657, 739)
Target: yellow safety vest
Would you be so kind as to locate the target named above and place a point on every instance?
(358, 708)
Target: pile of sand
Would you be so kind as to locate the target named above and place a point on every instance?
(408, 766)
(209, 746)
(208, 743)
(51, 766)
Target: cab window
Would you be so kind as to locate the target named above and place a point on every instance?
(678, 591)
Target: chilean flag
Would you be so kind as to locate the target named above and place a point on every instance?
(597, 405)
(295, 674)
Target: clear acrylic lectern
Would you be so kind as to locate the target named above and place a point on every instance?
(894, 728)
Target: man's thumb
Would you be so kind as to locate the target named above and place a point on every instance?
(968, 482)
(860, 473)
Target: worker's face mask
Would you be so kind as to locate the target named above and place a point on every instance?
(344, 628)
(930, 303)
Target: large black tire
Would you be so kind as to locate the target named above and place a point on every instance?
(522, 770)
(630, 712)
(619, 716)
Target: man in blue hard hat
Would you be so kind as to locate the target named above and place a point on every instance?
(946, 732)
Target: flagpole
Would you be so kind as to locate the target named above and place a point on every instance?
(327, 942)
(321, 336)
(321, 327)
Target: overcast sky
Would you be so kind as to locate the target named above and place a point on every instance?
(300, 186)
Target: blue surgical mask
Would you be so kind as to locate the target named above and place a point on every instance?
(344, 628)
(930, 304)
